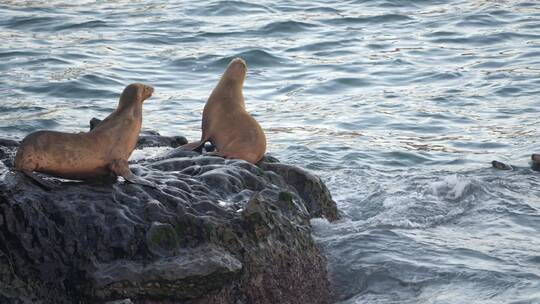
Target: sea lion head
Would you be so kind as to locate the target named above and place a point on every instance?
(135, 93)
(236, 70)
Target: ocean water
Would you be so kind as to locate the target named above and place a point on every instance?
(398, 105)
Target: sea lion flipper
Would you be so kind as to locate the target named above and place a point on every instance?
(139, 181)
(216, 153)
(194, 146)
(121, 168)
(39, 181)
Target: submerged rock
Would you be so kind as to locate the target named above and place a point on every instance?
(216, 231)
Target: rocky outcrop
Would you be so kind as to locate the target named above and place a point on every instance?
(214, 231)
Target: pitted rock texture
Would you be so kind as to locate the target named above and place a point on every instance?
(215, 231)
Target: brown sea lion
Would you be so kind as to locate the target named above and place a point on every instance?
(535, 164)
(226, 124)
(102, 152)
(500, 165)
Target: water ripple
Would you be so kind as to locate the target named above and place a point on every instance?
(285, 28)
(386, 18)
(398, 105)
(231, 8)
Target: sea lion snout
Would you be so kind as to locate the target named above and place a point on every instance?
(147, 91)
(238, 60)
(238, 63)
(237, 69)
(135, 92)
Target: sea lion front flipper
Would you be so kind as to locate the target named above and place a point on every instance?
(501, 166)
(121, 168)
(216, 153)
(39, 181)
(193, 146)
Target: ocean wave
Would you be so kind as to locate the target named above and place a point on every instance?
(231, 8)
(385, 18)
(254, 58)
(285, 27)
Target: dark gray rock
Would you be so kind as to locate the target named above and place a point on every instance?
(311, 189)
(8, 142)
(216, 231)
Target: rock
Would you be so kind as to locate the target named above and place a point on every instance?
(216, 231)
(8, 142)
(311, 189)
(123, 301)
(205, 267)
(7, 152)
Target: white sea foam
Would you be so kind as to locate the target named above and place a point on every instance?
(450, 187)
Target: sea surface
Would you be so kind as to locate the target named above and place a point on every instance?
(398, 105)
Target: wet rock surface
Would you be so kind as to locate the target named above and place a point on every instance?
(215, 231)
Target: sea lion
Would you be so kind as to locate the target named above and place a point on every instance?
(227, 124)
(500, 165)
(102, 152)
(535, 164)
